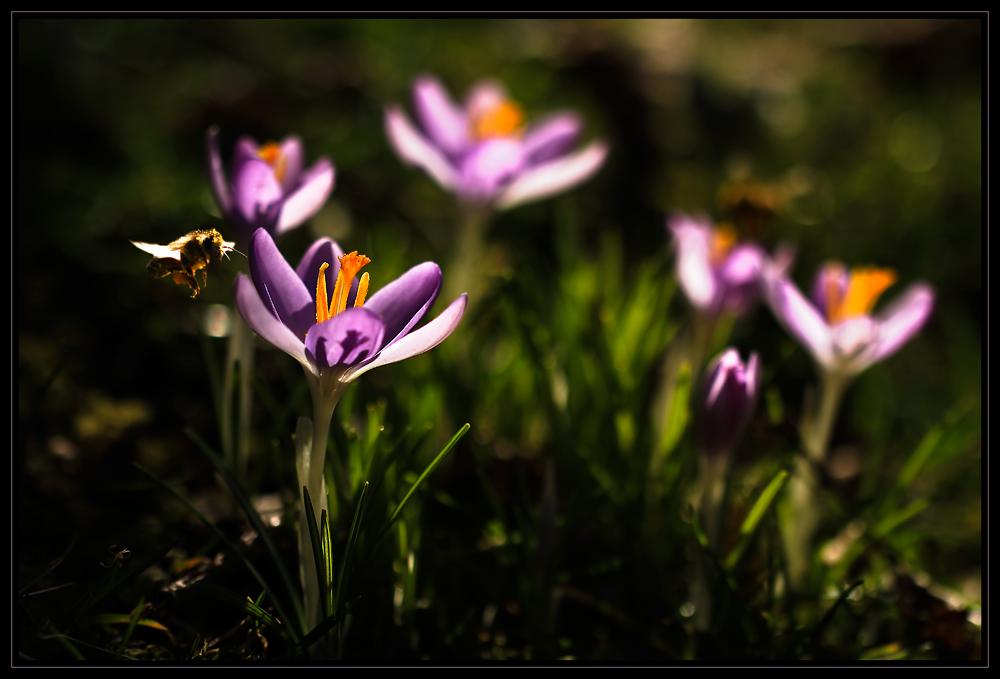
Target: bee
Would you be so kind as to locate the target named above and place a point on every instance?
(185, 256)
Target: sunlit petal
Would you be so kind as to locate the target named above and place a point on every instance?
(553, 177)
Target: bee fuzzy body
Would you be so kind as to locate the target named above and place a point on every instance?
(184, 257)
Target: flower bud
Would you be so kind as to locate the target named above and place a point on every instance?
(727, 400)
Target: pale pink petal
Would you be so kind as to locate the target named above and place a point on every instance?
(413, 148)
(444, 122)
(265, 323)
(903, 319)
(420, 340)
(553, 177)
(292, 157)
(308, 198)
(220, 187)
(801, 319)
(694, 270)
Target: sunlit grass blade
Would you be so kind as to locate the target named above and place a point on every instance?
(123, 619)
(133, 620)
(753, 519)
(934, 444)
(427, 472)
(327, 545)
(828, 617)
(235, 551)
(677, 411)
(247, 606)
(315, 538)
(252, 516)
(897, 518)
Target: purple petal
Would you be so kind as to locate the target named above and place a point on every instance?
(729, 395)
(420, 340)
(280, 288)
(291, 154)
(220, 187)
(413, 148)
(309, 197)
(444, 122)
(489, 166)
(903, 319)
(831, 273)
(484, 96)
(256, 193)
(553, 177)
(345, 340)
(694, 270)
(402, 303)
(800, 318)
(262, 321)
(552, 137)
(245, 149)
(739, 277)
(323, 250)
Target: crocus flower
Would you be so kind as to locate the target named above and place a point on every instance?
(728, 396)
(270, 189)
(338, 339)
(484, 152)
(837, 327)
(716, 273)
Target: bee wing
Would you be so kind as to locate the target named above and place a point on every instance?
(161, 251)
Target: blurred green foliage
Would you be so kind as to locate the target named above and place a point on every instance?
(543, 535)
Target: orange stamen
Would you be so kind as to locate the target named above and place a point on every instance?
(864, 287)
(272, 155)
(322, 313)
(350, 265)
(501, 120)
(362, 291)
(723, 240)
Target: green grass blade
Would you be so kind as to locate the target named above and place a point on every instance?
(317, 549)
(113, 578)
(327, 545)
(254, 518)
(430, 468)
(248, 607)
(753, 519)
(219, 534)
(822, 625)
(352, 540)
(45, 571)
(133, 619)
(677, 414)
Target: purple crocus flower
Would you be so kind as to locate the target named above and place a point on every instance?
(482, 150)
(716, 273)
(270, 189)
(837, 327)
(336, 342)
(728, 397)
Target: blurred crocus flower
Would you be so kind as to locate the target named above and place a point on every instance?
(716, 273)
(269, 188)
(484, 152)
(336, 339)
(837, 326)
(728, 397)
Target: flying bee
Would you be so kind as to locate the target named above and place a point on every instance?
(185, 256)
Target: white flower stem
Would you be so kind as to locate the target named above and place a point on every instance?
(803, 517)
(310, 465)
(465, 272)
